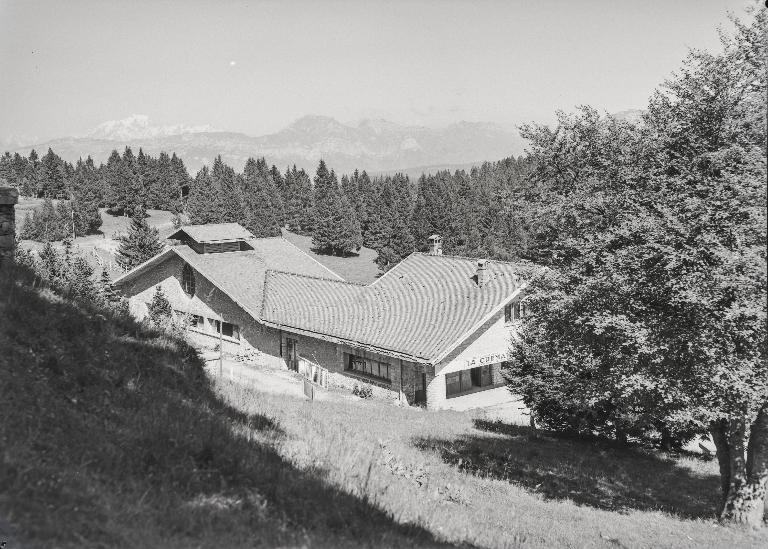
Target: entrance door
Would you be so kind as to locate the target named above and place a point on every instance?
(421, 391)
(292, 353)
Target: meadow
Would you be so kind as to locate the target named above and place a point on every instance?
(113, 435)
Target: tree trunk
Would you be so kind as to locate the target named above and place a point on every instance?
(719, 432)
(748, 471)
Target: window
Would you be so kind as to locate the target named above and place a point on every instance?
(188, 280)
(464, 381)
(198, 322)
(367, 366)
(514, 311)
(225, 328)
(291, 348)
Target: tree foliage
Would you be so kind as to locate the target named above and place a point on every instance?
(650, 316)
(140, 244)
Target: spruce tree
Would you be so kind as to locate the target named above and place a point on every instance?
(263, 210)
(52, 174)
(181, 181)
(160, 310)
(337, 230)
(202, 199)
(390, 234)
(228, 204)
(30, 184)
(299, 202)
(86, 197)
(140, 244)
(81, 280)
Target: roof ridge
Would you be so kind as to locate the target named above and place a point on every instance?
(451, 256)
(326, 267)
(313, 277)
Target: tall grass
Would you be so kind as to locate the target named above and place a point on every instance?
(113, 437)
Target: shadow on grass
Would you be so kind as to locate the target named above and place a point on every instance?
(116, 427)
(599, 474)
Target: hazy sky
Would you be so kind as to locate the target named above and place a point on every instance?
(68, 65)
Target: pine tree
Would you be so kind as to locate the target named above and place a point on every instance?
(30, 184)
(160, 310)
(435, 210)
(163, 191)
(337, 230)
(228, 206)
(81, 280)
(86, 197)
(52, 174)
(140, 244)
(181, 182)
(390, 234)
(120, 182)
(298, 201)
(263, 210)
(51, 267)
(108, 293)
(202, 199)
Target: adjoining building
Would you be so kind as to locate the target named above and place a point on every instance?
(432, 329)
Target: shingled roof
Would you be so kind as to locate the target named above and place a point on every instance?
(420, 309)
(214, 232)
(241, 274)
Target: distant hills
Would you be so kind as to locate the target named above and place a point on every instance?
(373, 145)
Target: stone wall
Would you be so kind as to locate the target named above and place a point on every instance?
(8, 199)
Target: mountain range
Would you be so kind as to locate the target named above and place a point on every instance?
(378, 146)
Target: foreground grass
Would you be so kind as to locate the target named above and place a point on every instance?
(111, 436)
(487, 484)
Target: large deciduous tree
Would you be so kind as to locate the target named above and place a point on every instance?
(650, 316)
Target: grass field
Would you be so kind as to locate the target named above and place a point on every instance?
(113, 436)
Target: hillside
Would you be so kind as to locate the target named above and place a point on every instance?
(373, 145)
(113, 436)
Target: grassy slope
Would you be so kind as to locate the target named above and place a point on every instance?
(493, 485)
(113, 436)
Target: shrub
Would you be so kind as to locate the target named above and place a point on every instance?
(362, 391)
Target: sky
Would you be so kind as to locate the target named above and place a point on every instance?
(256, 66)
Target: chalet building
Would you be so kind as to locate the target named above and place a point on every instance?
(429, 331)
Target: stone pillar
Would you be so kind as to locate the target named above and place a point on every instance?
(8, 199)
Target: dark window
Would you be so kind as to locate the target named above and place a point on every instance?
(514, 311)
(464, 381)
(226, 329)
(188, 280)
(367, 366)
(293, 354)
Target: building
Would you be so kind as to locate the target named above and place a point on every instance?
(432, 329)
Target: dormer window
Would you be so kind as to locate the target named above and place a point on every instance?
(214, 238)
(188, 280)
(513, 311)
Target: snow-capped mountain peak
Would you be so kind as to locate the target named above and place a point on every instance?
(137, 126)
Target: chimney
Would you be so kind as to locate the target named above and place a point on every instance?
(482, 273)
(8, 199)
(435, 245)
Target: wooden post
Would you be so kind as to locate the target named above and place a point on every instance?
(221, 349)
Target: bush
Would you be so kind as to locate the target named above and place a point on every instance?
(362, 391)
